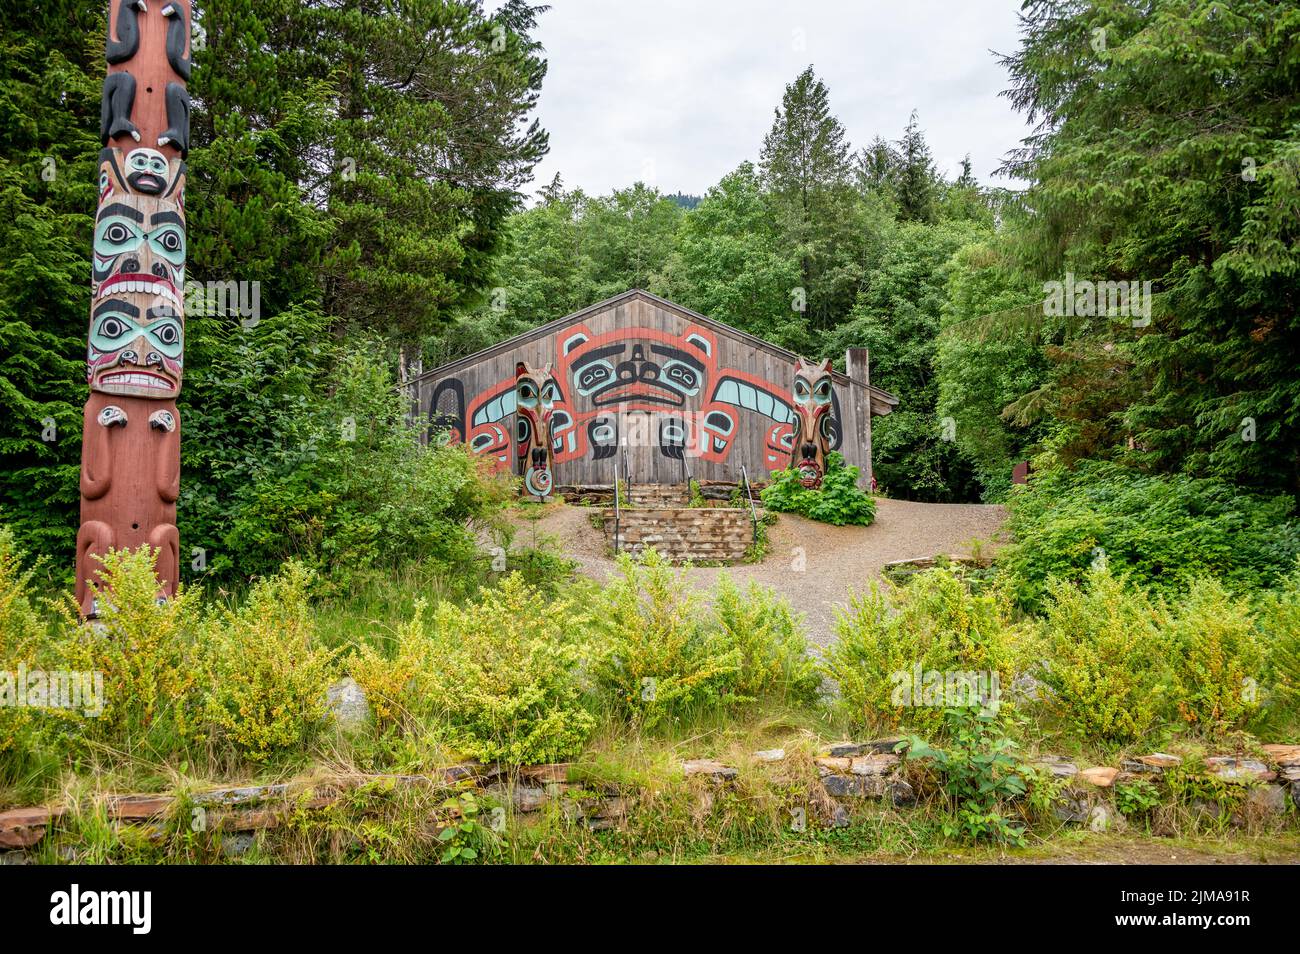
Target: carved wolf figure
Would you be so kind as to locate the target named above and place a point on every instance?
(814, 395)
(535, 395)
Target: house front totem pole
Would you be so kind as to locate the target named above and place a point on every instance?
(814, 396)
(535, 396)
(131, 438)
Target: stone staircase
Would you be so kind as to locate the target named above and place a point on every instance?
(695, 534)
(657, 495)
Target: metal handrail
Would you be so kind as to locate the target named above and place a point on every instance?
(690, 478)
(749, 496)
(617, 512)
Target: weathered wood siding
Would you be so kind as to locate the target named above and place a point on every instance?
(676, 390)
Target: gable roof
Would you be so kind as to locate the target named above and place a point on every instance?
(882, 402)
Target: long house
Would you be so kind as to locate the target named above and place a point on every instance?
(666, 391)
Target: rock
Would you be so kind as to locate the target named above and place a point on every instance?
(854, 786)
(840, 817)
(1155, 763)
(834, 764)
(1282, 754)
(900, 792)
(1267, 799)
(888, 746)
(1232, 768)
(347, 704)
(1058, 765)
(873, 764)
(15, 858)
(555, 773)
(1100, 818)
(847, 749)
(24, 827)
(1100, 776)
(1072, 808)
(236, 844)
(770, 755)
(715, 771)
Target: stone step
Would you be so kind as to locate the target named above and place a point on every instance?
(681, 534)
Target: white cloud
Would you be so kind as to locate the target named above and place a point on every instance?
(688, 89)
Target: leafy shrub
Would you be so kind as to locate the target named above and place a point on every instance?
(147, 651)
(265, 674)
(935, 623)
(338, 479)
(1105, 657)
(1161, 532)
(774, 661)
(658, 658)
(389, 681)
(1278, 621)
(978, 773)
(505, 679)
(838, 500)
(23, 642)
(1215, 657)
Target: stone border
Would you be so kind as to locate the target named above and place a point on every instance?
(846, 770)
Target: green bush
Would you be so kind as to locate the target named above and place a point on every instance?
(838, 500)
(1106, 658)
(774, 660)
(264, 672)
(935, 624)
(658, 657)
(315, 461)
(1278, 622)
(503, 676)
(148, 652)
(1161, 532)
(1216, 659)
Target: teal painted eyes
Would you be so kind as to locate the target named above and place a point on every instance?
(143, 162)
(114, 331)
(822, 393)
(118, 234)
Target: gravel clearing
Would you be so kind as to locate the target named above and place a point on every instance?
(836, 560)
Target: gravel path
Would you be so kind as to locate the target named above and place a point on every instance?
(835, 560)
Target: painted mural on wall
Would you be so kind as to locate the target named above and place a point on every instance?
(130, 464)
(600, 384)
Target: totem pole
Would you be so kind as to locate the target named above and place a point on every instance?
(535, 397)
(131, 438)
(813, 402)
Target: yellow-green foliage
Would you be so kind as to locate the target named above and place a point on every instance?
(1105, 657)
(1215, 658)
(658, 656)
(145, 648)
(774, 661)
(22, 634)
(935, 621)
(388, 681)
(1278, 621)
(504, 676)
(265, 674)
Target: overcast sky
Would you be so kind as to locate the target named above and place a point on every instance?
(679, 93)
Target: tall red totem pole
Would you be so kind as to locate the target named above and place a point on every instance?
(131, 437)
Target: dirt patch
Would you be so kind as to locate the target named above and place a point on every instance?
(813, 564)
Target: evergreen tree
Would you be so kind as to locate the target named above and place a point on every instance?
(51, 67)
(1196, 191)
(916, 176)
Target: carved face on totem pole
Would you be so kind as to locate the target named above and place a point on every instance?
(137, 332)
(814, 397)
(535, 395)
